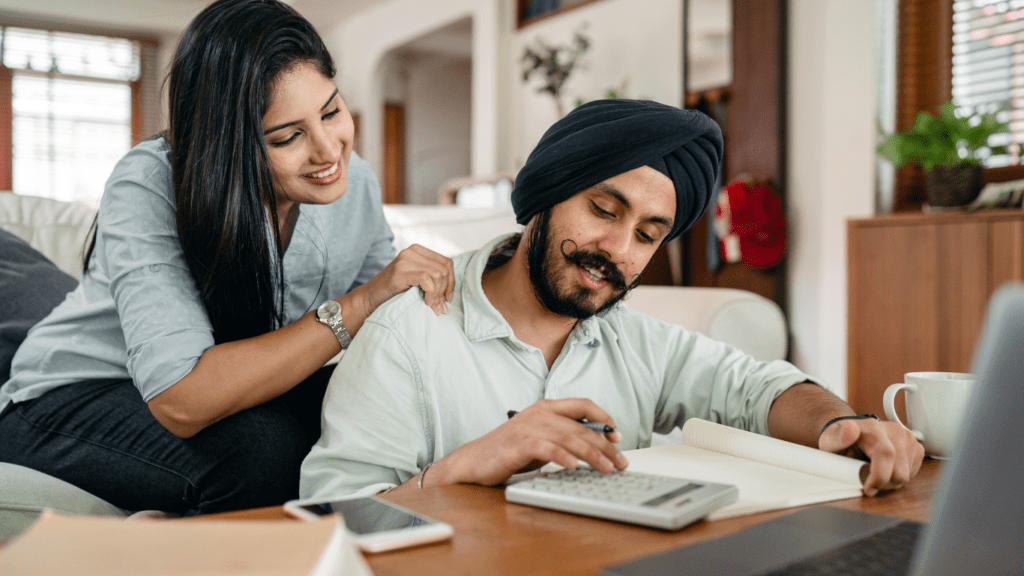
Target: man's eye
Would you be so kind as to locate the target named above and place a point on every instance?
(646, 238)
(285, 142)
(602, 211)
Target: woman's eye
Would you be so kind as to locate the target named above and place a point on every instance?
(331, 114)
(280, 143)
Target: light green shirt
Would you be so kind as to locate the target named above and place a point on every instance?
(414, 386)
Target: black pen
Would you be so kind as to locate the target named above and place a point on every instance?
(595, 426)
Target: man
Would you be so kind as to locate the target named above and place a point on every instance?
(535, 327)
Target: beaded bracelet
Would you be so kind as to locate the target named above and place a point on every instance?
(834, 420)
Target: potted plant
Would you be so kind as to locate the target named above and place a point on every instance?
(950, 149)
(554, 64)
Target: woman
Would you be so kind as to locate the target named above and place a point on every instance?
(184, 372)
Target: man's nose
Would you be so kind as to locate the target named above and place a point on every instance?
(615, 244)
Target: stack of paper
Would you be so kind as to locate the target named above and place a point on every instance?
(90, 546)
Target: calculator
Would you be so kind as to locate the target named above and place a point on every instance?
(645, 499)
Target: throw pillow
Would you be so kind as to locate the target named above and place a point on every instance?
(30, 287)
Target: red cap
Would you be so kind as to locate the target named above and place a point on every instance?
(750, 224)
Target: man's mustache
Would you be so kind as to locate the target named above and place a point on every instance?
(595, 261)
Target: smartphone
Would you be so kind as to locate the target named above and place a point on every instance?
(377, 525)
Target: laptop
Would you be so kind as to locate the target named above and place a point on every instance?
(977, 519)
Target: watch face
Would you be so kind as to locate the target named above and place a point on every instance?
(328, 309)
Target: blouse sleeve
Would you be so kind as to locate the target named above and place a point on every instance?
(166, 328)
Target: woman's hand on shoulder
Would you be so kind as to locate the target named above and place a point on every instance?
(414, 266)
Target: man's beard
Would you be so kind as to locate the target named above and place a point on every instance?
(542, 259)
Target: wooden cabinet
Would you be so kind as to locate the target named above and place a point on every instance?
(918, 287)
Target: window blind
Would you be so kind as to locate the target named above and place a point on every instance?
(71, 101)
(924, 46)
(988, 69)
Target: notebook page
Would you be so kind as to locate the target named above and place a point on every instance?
(761, 486)
(751, 446)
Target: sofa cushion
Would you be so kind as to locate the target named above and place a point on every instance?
(748, 321)
(30, 287)
(446, 229)
(25, 493)
(57, 229)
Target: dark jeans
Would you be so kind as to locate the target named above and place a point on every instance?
(101, 437)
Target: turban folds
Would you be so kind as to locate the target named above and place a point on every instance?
(605, 138)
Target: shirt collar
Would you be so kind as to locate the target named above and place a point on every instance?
(482, 321)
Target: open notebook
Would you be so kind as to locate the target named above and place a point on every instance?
(769, 473)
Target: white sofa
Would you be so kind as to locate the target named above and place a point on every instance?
(58, 229)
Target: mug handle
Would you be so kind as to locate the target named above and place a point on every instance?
(889, 403)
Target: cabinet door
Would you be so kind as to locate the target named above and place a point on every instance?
(1007, 261)
(962, 290)
(893, 304)
(918, 290)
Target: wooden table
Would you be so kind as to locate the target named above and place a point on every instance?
(494, 537)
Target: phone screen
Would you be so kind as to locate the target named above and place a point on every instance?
(365, 516)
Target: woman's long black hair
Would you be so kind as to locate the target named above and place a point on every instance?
(220, 85)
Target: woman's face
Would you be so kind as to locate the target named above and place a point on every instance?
(309, 134)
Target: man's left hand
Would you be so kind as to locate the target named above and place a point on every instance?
(894, 452)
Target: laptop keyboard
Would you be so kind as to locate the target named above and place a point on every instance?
(887, 553)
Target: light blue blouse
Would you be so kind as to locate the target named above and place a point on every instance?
(137, 312)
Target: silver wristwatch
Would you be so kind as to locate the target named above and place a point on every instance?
(330, 313)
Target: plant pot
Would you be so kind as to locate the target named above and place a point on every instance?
(954, 185)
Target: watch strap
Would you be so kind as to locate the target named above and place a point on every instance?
(337, 325)
(344, 338)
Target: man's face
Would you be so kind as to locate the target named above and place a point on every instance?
(587, 252)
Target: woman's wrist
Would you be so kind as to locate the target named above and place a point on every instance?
(353, 310)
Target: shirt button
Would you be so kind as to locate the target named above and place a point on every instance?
(154, 268)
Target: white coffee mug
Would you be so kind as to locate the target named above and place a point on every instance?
(936, 402)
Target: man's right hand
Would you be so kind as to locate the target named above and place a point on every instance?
(547, 431)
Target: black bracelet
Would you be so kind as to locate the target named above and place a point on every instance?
(834, 420)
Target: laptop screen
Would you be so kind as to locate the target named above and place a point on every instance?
(977, 521)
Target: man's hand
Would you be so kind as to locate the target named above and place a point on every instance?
(895, 453)
(545, 432)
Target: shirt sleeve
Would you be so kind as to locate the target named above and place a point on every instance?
(707, 379)
(166, 328)
(373, 433)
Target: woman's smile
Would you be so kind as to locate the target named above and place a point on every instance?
(325, 177)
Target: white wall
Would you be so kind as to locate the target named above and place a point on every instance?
(437, 127)
(360, 42)
(635, 40)
(831, 131)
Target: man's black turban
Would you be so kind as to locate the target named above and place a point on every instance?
(605, 138)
